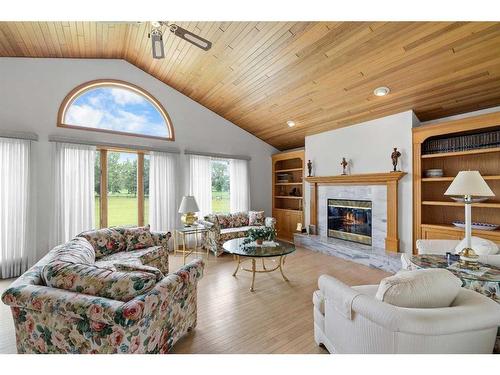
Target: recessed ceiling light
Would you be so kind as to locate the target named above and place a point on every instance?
(382, 91)
(290, 123)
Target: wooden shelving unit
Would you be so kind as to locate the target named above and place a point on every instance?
(289, 170)
(462, 153)
(433, 212)
(288, 192)
(449, 179)
(458, 204)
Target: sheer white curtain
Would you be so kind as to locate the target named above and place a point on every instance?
(239, 185)
(162, 191)
(200, 182)
(17, 224)
(73, 184)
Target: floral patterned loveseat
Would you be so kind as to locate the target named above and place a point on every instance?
(223, 227)
(105, 291)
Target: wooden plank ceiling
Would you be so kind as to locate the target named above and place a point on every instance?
(319, 74)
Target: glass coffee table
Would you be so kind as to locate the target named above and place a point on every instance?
(269, 249)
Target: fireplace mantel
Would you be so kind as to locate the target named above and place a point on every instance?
(389, 179)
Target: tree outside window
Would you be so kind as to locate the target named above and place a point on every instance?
(220, 186)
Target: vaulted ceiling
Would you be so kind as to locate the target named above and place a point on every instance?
(319, 74)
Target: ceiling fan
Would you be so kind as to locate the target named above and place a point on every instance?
(156, 36)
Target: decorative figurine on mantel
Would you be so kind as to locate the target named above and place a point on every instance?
(395, 156)
(309, 168)
(344, 164)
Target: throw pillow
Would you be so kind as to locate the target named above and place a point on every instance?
(105, 241)
(134, 267)
(239, 219)
(224, 220)
(481, 246)
(96, 281)
(138, 238)
(423, 288)
(77, 250)
(256, 218)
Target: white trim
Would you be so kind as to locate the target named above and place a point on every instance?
(216, 155)
(55, 138)
(18, 135)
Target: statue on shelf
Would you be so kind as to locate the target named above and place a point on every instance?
(344, 164)
(309, 168)
(395, 156)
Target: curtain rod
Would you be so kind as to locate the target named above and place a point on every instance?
(215, 155)
(18, 135)
(55, 138)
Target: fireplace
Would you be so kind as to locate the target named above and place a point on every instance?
(350, 220)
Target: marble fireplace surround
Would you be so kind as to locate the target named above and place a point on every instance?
(380, 188)
(375, 193)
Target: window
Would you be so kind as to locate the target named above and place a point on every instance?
(122, 189)
(115, 107)
(125, 176)
(17, 230)
(220, 185)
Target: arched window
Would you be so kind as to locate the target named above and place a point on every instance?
(115, 107)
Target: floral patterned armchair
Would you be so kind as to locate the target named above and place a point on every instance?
(224, 227)
(64, 320)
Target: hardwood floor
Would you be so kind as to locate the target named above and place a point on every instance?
(276, 318)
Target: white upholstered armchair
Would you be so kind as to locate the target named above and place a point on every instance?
(351, 320)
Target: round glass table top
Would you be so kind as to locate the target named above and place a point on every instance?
(235, 246)
(486, 272)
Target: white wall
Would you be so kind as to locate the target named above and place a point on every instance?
(368, 147)
(31, 91)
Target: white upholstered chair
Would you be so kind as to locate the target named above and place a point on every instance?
(351, 320)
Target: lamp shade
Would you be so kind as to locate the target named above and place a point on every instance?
(188, 204)
(469, 183)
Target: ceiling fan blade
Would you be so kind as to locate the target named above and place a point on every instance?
(188, 36)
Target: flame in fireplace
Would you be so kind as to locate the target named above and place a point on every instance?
(350, 219)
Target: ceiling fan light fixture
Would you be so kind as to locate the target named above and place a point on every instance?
(290, 123)
(190, 37)
(381, 91)
(157, 44)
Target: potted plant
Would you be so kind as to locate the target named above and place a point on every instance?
(259, 235)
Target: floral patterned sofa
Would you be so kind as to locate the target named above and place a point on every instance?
(105, 291)
(223, 227)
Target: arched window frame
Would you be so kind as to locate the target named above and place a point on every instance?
(87, 86)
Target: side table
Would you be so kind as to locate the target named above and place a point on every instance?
(180, 235)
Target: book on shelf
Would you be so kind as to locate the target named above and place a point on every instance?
(467, 142)
(283, 177)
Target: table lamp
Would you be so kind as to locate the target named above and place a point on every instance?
(469, 184)
(188, 207)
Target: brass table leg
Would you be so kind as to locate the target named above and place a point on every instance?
(253, 275)
(175, 242)
(282, 263)
(183, 249)
(237, 265)
(263, 264)
(208, 249)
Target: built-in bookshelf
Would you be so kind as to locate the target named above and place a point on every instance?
(288, 192)
(465, 144)
(453, 144)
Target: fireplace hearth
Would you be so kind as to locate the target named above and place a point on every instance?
(350, 220)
